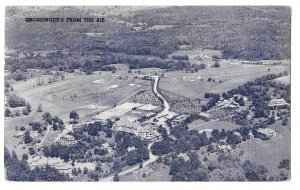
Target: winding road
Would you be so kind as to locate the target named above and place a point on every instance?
(165, 114)
(162, 118)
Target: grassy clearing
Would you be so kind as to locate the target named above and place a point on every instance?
(11, 142)
(77, 91)
(231, 75)
(212, 125)
(284, 79)
(197, 56)
(154, 172)
(268, 153)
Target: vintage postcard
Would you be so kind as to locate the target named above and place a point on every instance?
(147, 93)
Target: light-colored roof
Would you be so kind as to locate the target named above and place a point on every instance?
(203, 114)
(147, 107)
(277, 102)
(124, 121)
(131, 148)
(68, 137)
(105, 145)
(266, 131)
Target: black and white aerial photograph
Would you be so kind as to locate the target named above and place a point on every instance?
(147, 93)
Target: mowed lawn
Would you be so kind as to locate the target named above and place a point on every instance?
(269, 153)
(154, 172)
(87, 95)
(56, 98)
(10, 141)
(231, 75)
(202, 125)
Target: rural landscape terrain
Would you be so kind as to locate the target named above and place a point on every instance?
(149, 94)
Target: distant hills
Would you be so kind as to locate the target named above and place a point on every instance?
(251, 33)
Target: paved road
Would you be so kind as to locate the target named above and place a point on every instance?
(166, 113)
(152, 158)
(161, 117)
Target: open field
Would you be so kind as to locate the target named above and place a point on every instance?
(154, 172)
(212, 125)
(231, 75)
(284, 79)
(12, 142)
(198, 56)
(269, 153)
(75, 92)
(82, 91)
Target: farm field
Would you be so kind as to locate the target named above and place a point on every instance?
(231, 75)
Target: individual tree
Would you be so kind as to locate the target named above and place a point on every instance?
(7, 112)
(27, 138)
(40, 108)
(17, 112)
(98, 167)
(74, 172)
(233, 139)
(35, 125)
(117, 166)
(15, 101)
(57, 123)
(116, 177)
(31, 151)
(284, 121)
(285, 163)
(85, 170)
(216, 64)
(25, 156)
(47, 117)
(24, 111)
(28, 107)
(74, 115)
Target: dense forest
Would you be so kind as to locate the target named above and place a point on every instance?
(251, 33)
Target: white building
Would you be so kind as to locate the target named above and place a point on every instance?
(278, 103)
(184, 156)
(205, 116)
(178, 119)
(67, 140)
(148, 132)
(224, 148)
(126, 126)
(267, 132)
